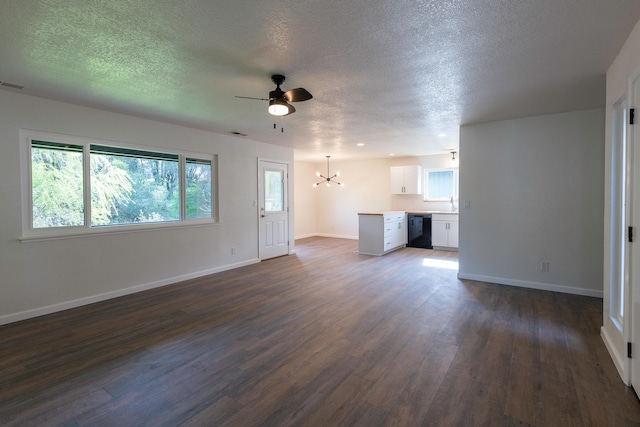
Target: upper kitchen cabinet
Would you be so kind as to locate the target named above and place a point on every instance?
(406, 180)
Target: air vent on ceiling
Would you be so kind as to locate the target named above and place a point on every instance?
(11, 85)
(236, 133)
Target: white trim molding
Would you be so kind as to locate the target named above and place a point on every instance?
(618, 359)
(532, 285)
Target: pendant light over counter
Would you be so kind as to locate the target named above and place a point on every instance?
(454, 159)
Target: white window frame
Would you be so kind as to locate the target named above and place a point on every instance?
(455, 184)
(29, 233)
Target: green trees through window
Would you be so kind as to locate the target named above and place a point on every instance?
(131, 186)
(274, 191)
(127, 186)
(57, 189)
(198, 174)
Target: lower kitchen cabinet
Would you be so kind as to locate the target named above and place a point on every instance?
(380, 233)
(444, 231)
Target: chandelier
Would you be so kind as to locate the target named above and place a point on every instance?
(328, 179)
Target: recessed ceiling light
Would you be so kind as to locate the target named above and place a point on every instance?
(391, 154)
(442, 134)
(360, 144)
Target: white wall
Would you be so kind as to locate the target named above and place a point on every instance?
(367, 189)
(535, 187)
(305, 203)
(626, 63)
(44, 276)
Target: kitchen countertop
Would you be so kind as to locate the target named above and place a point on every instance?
(433, 212)
(381, 213)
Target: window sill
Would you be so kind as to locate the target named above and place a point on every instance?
(110, 230)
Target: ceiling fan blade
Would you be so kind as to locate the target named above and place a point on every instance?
(292, 109)
(248, 97)
(297, 95)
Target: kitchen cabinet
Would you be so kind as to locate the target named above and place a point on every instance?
(380, 233)
(444, 231)
(406, 180)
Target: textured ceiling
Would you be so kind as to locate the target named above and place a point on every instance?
(390, 74)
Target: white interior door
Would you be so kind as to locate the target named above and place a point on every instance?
(274, 209)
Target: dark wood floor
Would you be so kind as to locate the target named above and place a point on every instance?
(326, 337)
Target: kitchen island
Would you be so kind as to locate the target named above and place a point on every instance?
(381, 232)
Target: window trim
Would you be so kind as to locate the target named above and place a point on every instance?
(426, 183)
(29, 233)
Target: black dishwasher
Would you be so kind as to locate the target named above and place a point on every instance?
(419, 227)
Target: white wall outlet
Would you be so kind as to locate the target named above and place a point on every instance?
(233, 251)
(544, 266)
(467, 204)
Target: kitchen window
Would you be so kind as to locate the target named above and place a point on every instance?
(78, 186)
(440, 184)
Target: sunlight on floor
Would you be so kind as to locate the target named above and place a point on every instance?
(440, 263)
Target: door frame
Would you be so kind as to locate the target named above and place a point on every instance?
(287, 197)
(631, 328)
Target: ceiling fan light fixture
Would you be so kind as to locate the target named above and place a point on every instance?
(278, 107)
(279, 101)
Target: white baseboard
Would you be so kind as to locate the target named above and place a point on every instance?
(618, 359)
(41, 311)
(333, 236)
(305, 236)
(337, 236)
(532, 285)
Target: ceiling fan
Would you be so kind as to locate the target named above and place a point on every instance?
(279, 100)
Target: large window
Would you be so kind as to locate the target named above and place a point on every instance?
(80, 186)
(440, 184)
(131, 186)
